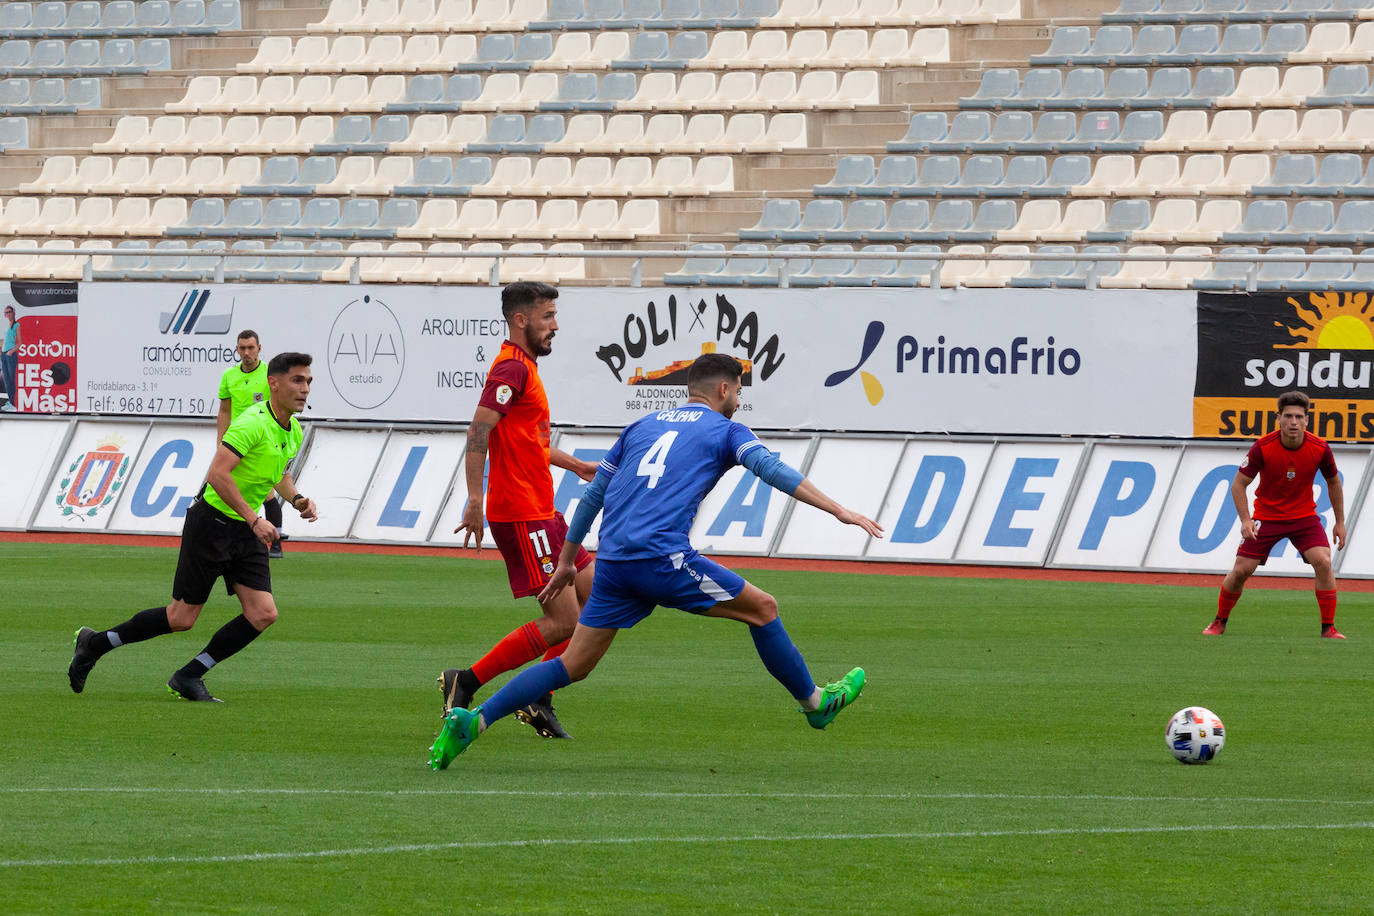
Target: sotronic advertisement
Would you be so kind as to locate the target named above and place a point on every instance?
(1045, 362)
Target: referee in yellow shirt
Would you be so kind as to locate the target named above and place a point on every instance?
(224, 537)
(240, 387)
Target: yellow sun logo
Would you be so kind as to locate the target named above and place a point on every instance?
(1332, 321)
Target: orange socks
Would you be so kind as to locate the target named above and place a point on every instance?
(518, 647)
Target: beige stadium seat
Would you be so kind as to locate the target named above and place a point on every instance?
(235, 93)
(1299, 83)
(727, 47)
(435, 268)
(594, 218)
(590, 173)
(1228, 128)
(202, 135)
(344, 272)
(99, 262)
(581, 130)
(344, 54)
(129, 129)
(499, 91)
(481, 270)
(711, 132)
(385, 90)
(1182, 129)
(1254, 85)
(662, 133)
(995, 11)
(847, 48)
(816, 89)
(101, 175)
(132, 216)
(1325, 42)
(857, 88)
(307, 56)
(426, 131)
(309, 93)
(18, 266)
(1318, 130)
(1272, 127)
(239, 131)
(957, 12)
(346, 94)
(638, 218)
(473, 219)
(871, 12)
(451, 15)
(200, 92)
(1112, 174)
(671, 176)
(735, 89)
(238, 171)
(510, 172)
(53, 212)
(957, 271)
(355, 173)
(1170, 217)
(406, 270)
(392, 172)
(93, 215)
(58, 172)
(629, 172)
(888, 48)
(830, 13)
(165, 174)
(555, 220)
(655, 92)
(375, 16)
(1199, 175)
(1181, 274)
(311, 131)
(1359, 127)
(490, 15)
(272, 55)
(606, 47)
(1214, 219)
(167, 131)
(1137, 274)
(340, 15)
(928, 46)
(911, 11)
(523, 12)
(433, 220)
(713, 174)
(60, 268)
(773, 91)
(569, 49)
(411, 16)
(693, 91)
(785, 131)
(202, 174)
(19, 214)
(391, 270)
(563, 270)
(274, 135)
(274, 94)
(382, 55)
(620, 133)
(1036, 217)
(1080, 217)
(767, 48)
(534, 89)
(1242, 173)
(1154, 173)
(421, 54)
(792, 14)
(1361, 47)
(463, 129)
(549, 172)
(527, 268)
(804, 45)
(999, 271)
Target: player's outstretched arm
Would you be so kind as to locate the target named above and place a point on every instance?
(810, 494)
(777, 474)
(561, 459)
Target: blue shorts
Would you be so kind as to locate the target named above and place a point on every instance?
(624, 592)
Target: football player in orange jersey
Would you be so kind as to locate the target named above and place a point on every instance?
(511, 425)
(1286, 462)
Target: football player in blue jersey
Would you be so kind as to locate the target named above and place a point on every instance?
(650, 483)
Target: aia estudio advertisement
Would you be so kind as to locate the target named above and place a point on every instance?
(40, 374)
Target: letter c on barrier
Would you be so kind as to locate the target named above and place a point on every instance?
(145, 504)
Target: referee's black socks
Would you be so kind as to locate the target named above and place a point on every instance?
(227, 640)
(143, 625)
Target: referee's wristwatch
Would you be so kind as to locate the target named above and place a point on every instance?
(297, 498)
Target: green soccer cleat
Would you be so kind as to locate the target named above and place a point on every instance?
(460, 730)
(835, 697)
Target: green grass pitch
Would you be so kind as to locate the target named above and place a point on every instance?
(1007, 754)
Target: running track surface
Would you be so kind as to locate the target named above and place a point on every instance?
(844, 566)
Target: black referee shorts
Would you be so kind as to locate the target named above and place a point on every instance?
(214, 545)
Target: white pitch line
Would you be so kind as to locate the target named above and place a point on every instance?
(593, 793)
(546, 842)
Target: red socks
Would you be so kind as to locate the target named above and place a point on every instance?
(1326, 601)
(1225, 601)
(555, 651)
(518, 647)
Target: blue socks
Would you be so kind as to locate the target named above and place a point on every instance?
(526, 687)
(783, 660)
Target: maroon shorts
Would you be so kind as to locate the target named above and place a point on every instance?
(531, 551)
(1305, 533)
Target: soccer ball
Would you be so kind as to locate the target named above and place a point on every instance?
(1195, 735)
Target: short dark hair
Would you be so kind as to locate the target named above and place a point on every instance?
(520, 297)
(1295, 399)
(709, 368)
(246, 333)
(282, 363)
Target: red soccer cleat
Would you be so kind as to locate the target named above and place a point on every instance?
(1216, 628)
(1332, 633)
